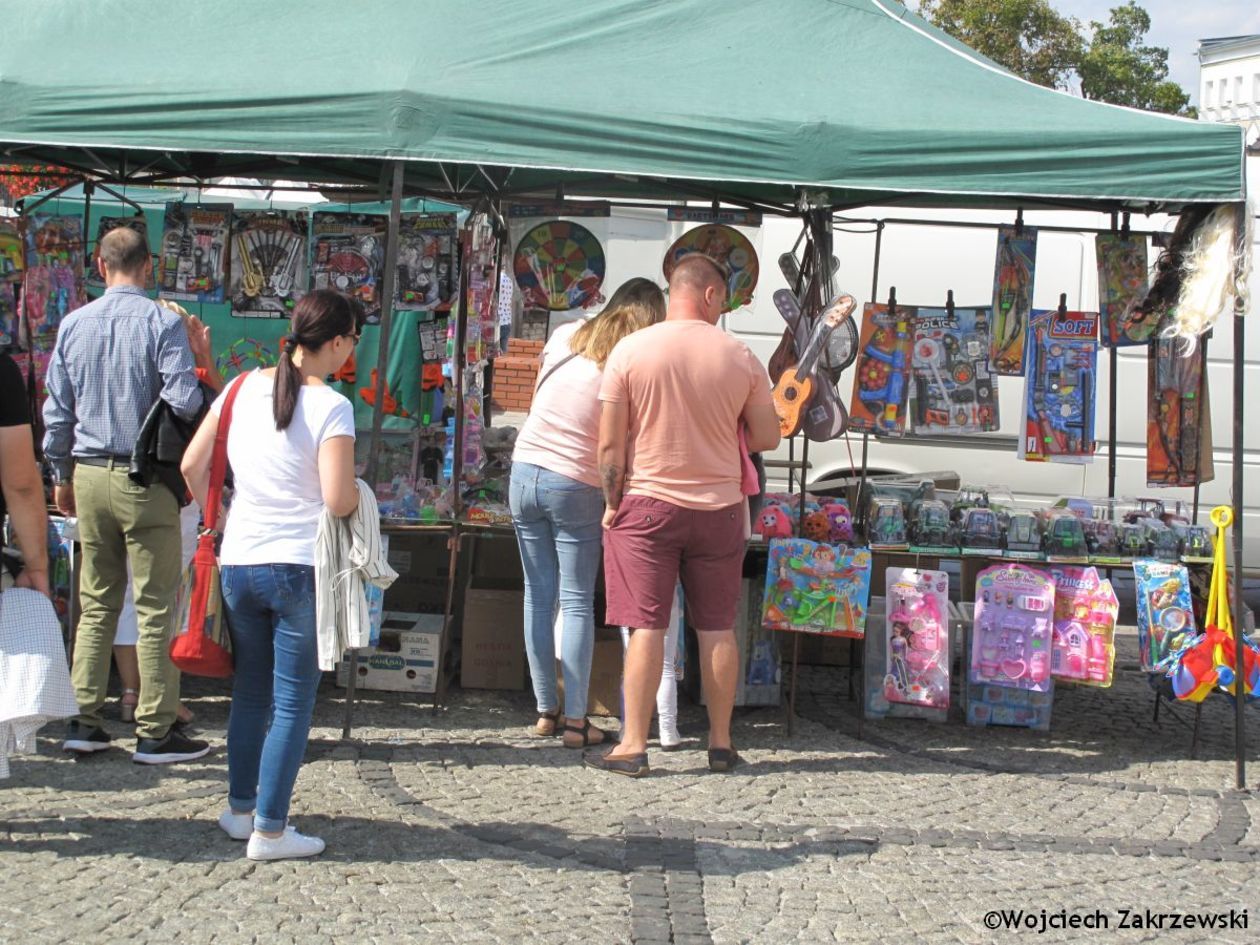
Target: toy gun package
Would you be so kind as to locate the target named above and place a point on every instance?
(1061, 388)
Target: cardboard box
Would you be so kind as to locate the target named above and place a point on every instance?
(603, 698)
(406, 659)
(492, 651)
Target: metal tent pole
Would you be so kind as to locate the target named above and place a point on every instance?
(1240, 706)
(382, 364)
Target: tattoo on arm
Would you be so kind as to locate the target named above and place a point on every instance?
(612, 479)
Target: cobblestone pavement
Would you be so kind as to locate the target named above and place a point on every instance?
(458, 827)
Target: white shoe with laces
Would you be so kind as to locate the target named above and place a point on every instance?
(237, 826)
(291, 845)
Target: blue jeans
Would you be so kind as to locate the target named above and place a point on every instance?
(271, 612)
(558, 529)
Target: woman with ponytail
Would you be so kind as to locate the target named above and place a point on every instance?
(290, 445)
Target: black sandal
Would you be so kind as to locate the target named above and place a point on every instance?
(632, 766)
(544, 718)
(579, 736)
(723, 759)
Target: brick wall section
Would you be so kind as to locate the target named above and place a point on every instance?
(515, 375)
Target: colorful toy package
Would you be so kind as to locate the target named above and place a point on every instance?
(988, 704)
(880, 384)
(1122, 273)
(917, 630)
(348, 254)
(953, 390)
(268, 271)
(1012, 632)
(1085, 611)
(1012, 298)
(193, 264)
(428, 262)
(1178, 423)
(1165, 614)
(1060, 391)
(816, 588)
(52, 287)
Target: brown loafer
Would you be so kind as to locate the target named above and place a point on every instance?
(632, 766)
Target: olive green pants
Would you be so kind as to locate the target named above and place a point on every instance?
(119, 520)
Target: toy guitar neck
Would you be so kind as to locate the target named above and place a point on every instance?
(841, 307)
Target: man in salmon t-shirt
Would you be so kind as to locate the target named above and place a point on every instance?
(674, 396)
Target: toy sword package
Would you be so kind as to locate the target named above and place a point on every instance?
(1061, 388)
(1178, 423)
(1012, 298)
(1121, 285)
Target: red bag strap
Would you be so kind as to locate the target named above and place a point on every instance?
(218, 459)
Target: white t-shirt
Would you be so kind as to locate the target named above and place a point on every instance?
(561, 432)
(276, 508)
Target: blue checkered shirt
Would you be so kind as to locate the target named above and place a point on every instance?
(114, 357)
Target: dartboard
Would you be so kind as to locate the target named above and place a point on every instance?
(727, 245)
(559, 266)
(242, 355)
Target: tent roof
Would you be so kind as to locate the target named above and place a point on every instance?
(857, 101)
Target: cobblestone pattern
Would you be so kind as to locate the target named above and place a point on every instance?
(459, 827)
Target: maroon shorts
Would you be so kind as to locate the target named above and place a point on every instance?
(652, 543)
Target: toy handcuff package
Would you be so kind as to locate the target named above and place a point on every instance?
(917, 637)
(881, 381)
(813, 587)
(1085, 611)
(1165, 614)
(1012, 631)
(1061, 389)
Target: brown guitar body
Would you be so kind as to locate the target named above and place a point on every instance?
(791, 397)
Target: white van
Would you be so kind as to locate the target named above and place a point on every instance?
(923, 263)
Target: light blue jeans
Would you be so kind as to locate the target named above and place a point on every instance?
(558, 529)
(271, 613)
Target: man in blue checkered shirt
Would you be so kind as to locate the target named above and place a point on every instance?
(113, 359)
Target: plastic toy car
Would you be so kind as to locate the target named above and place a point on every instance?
(979, 528)
(1161, 540)
(1102, 539)
(1195, 541)
(1023, 533)
(885, 522)
(1064, 537)
(929, 522)
(1132, 540)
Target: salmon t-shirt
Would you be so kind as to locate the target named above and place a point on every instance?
(686, 384)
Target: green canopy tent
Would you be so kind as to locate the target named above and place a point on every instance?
(784, 106)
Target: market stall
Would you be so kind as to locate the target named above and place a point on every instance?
(488, 104)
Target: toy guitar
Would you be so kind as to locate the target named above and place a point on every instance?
(825, 415)
(796, 387)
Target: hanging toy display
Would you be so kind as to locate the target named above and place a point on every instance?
(1060, 390)
(348, 254)
(1012, 632)
(1085, 612)
(244, 354)
(1209, 661)
(559, 266)
(268, 262)
(428, 263)
(193, 264)
(1178, 419)
(1012, 298)
(880, 386)
(953, 390)
(728, 246)
(106, 225)
(918, 651)
(52, 286)
(1165, 615)
(813, 587)
(12, 257)
(12, 264)
(1122, 269)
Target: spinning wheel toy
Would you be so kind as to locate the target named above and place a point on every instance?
(242, 355)
(728, 246)
(559, 266)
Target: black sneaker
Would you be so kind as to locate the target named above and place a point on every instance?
(174, 746)
(82, 740)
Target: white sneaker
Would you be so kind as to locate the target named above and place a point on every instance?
(237, 826)
(290, 846)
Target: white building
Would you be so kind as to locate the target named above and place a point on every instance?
(1229, 82)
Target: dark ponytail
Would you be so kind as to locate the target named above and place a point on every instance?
(318, 318)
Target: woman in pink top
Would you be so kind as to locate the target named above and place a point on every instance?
(557, 504)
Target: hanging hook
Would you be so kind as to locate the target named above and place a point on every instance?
(1124, 225)
(1019, 221)
(892, 300)
(949, 302)
(1062, 304)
